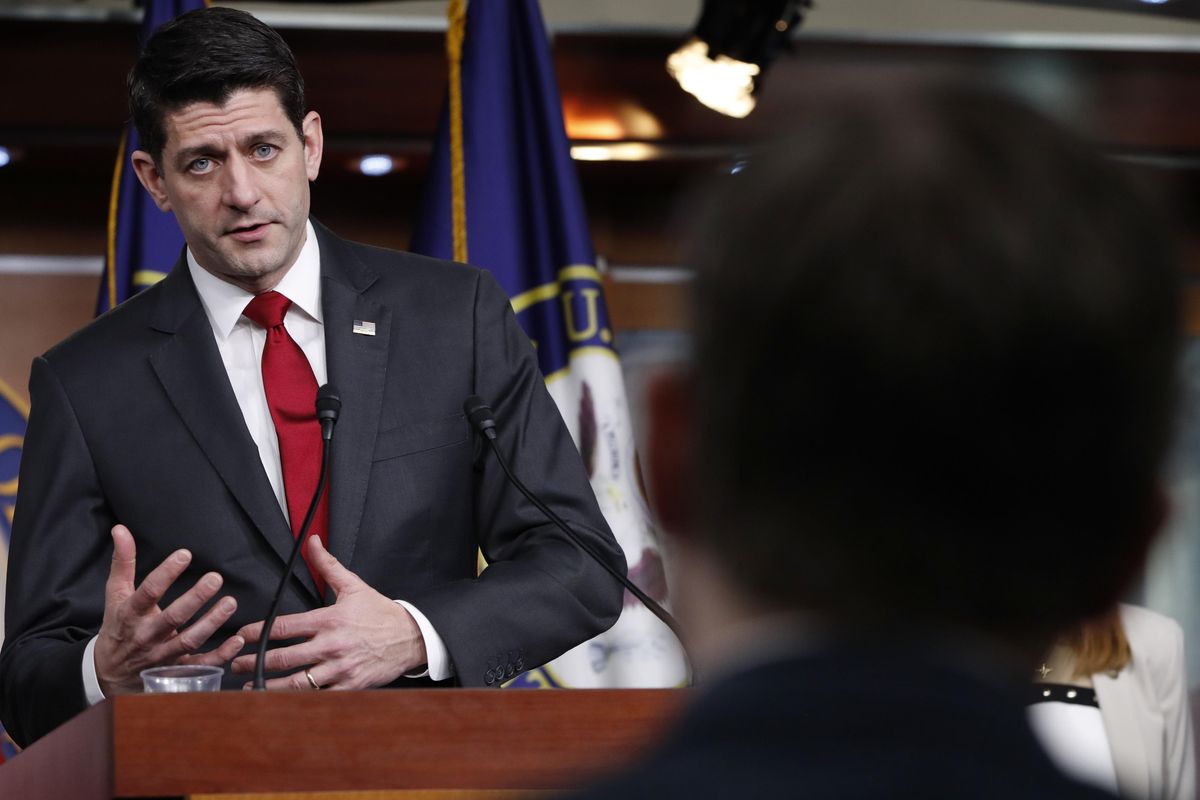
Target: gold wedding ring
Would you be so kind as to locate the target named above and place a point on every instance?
(312, 681)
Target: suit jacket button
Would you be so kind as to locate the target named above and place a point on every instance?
(510, 671)
(491, 677)
(520, 665)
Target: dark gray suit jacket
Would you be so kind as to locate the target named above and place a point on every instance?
(134, 421)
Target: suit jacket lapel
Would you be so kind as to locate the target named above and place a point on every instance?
(357, 365)
(191, 372)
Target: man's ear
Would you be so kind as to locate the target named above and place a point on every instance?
(314, 143)
(671, 448)
(150, 177)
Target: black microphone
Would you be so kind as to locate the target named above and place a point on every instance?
(329, 405)
(480, 415)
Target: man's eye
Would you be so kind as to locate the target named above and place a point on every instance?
(264, 150)
(201, 165)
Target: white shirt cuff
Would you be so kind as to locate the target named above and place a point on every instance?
(439, 667)
(91, 684)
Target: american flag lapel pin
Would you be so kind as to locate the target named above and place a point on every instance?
(364, 327)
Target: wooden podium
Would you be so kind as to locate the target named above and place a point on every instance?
(412, 744)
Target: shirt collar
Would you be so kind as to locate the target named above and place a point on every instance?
(223, 302)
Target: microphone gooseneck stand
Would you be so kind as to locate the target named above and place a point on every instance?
(329, 404)
(480, 415)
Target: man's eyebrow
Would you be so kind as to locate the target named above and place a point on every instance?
(270, 136)
(187, 154)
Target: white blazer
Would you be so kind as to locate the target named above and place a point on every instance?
(1146, 713)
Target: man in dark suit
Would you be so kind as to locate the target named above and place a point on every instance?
(182, 422)
(920, 433)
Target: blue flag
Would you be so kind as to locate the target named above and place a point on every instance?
(143, 242)
(14, 411)
(525, 222)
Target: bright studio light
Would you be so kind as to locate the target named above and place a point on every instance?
(375, 165)
(723, 84)
(723, 62)
(5, 156)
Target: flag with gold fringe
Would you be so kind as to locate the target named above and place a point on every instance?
(503, 194)
(143, 242)
(14, 412)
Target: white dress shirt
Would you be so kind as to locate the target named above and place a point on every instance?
(240, 343)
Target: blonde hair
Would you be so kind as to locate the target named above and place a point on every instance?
(1099, 645)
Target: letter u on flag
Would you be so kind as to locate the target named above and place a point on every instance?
(14, 412)
(143, 242)
(503, 194)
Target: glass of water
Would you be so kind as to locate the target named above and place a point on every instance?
(181, 678)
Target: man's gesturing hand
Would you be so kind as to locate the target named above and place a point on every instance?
(137, 634)
(361, 641)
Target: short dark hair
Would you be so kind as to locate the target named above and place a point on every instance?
(205, 56)
(935, 349)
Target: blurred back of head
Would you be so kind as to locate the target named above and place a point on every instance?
(934, 368)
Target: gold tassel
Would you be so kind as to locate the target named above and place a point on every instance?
(458, 181)
(110, 268)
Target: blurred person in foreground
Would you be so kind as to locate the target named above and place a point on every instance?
(919, 436)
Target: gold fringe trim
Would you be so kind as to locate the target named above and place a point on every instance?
(458, 182)
(110, 265)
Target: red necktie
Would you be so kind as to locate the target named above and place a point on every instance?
(292, 395)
